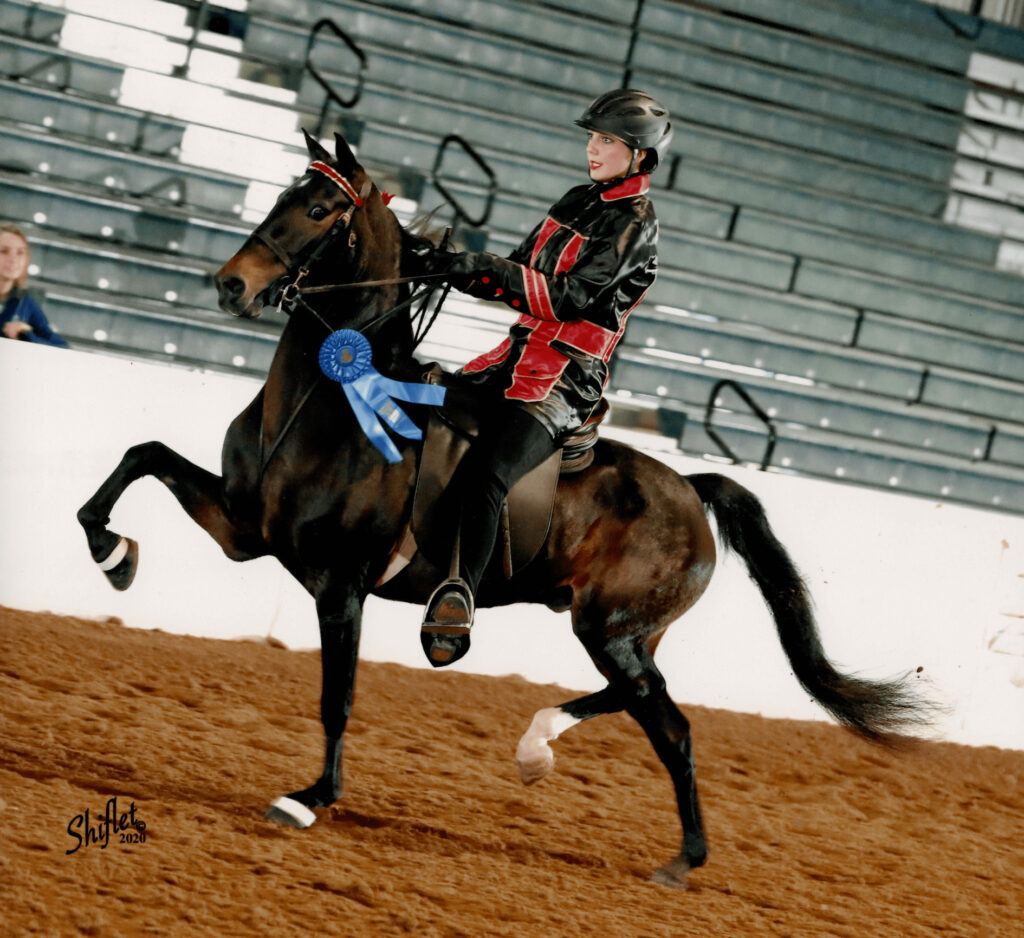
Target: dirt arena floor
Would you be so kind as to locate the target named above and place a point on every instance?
(812, 831)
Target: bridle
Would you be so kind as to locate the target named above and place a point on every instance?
(291, 296)
(290, 261)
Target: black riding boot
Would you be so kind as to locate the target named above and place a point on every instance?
(503, 453)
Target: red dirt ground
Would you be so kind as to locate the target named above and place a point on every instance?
(813, 832)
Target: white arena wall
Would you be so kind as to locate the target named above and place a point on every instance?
(900, 583)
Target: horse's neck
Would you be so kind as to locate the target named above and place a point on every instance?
(296, 363)
(392, 343)
(391, 337)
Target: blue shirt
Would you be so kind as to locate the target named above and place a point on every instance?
(22, 306)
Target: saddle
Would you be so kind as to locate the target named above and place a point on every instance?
(526, 512)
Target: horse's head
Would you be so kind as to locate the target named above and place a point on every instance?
(322, 215)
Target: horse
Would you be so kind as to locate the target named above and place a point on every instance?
(629, 549)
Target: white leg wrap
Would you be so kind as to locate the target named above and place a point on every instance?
(533, 753)
(115, 556)
(294, 809)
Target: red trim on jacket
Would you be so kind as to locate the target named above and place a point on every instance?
(535, 286)
(549, 227)
(540, 366)
(569, 254)
(494, 357)
(634, 185)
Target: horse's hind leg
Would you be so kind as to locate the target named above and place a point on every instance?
(534, 755)
(199, 492)
(629, 666)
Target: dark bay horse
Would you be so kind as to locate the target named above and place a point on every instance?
(629, 550)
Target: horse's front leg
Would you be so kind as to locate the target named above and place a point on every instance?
(340, 617)
(199, 492)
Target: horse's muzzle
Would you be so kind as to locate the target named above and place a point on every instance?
(233, 296)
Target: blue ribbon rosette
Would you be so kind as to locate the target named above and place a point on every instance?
(346, 357)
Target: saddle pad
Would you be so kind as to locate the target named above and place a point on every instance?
(525, 524)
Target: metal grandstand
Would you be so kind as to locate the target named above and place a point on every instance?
(842, 237)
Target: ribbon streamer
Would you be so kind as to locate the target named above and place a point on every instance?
(346, 357)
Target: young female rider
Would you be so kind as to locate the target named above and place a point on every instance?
(574, 281)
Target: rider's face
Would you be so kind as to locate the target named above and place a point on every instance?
(607, 157)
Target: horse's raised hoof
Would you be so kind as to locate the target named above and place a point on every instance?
(290, 812)
(672, 874)
(120, 564)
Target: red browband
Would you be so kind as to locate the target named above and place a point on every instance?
(331, 173)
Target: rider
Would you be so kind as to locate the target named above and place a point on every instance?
(574, 280)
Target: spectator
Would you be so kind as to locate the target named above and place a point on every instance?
(21, 316)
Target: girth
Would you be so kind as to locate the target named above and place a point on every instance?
(526, 513)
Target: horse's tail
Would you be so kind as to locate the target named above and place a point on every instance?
(879, 710)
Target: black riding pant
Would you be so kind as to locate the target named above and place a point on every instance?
(511, 443)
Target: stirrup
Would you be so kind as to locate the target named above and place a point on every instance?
(447, 620)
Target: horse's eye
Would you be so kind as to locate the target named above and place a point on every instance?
(318, 213)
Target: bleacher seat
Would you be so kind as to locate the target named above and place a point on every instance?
(931, 343)
(144, 223)
(125, 323)
(89, 118)
(1008, 447)
(922, 37)
(43, 63)
(910, 300)
(816, 132)
(837, 211)
(879, 464)
(107, 167)
(904, 373)
(853, 413)
(428, 37)
(731, 300)
(786, 160)
(877, 254)
(122, 269)
(659, 59)
(974, 393)
(767, 350)
(762, 42)
(546, 24)
(30, 20)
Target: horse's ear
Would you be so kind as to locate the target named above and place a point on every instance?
(347, 161)
(316, 152)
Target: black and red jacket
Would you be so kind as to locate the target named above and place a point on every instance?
(574, 279)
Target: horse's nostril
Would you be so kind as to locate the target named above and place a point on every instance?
(230, 288)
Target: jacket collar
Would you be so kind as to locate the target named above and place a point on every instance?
(628, 188)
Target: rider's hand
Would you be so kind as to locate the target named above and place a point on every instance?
(463, 267)
(426, 259)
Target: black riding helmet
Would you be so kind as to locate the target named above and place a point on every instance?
(635, 118)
